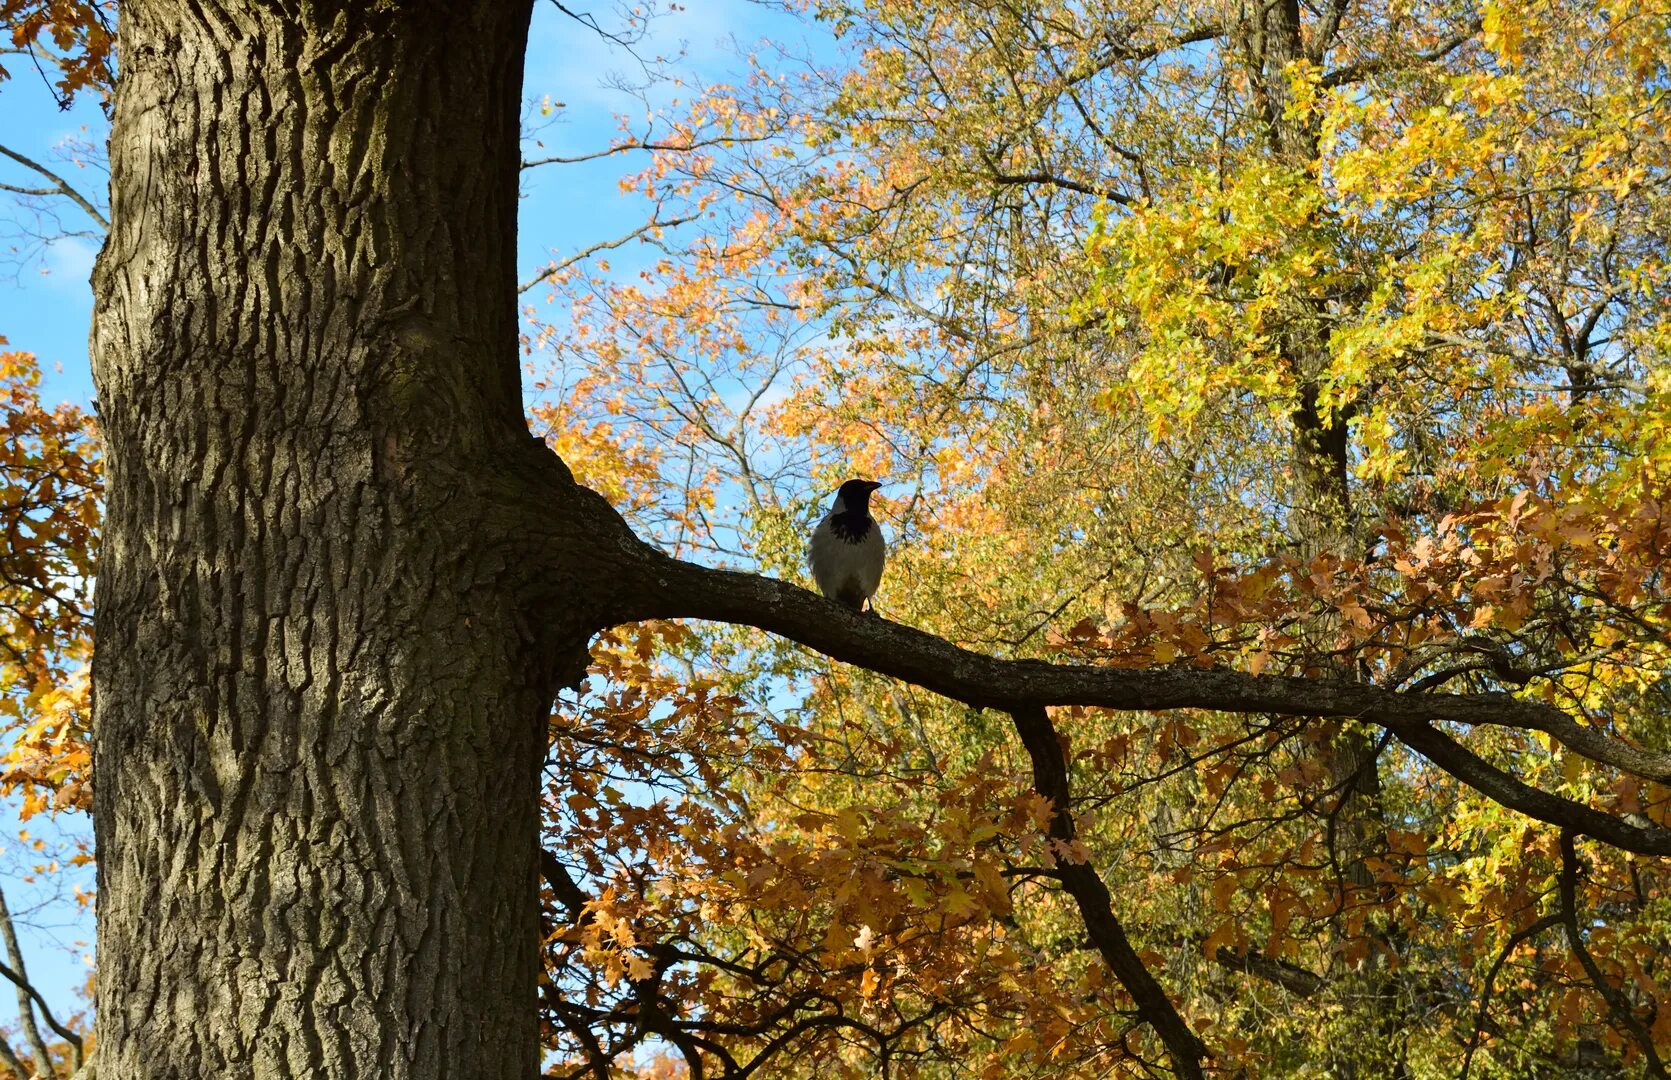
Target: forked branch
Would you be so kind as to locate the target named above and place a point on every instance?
(685, 590)
(654, 586)
(1081, 881)
(1617, 1003)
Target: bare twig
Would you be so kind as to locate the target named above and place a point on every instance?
(60, 186)
(604, 245)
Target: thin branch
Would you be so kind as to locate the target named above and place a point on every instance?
(639, 144)
(1081, 881)
(1617, 1003)
(1353, 72)
(15, 190)
(590, 22)
(1121, 51)
(60, 186)
(604, 245)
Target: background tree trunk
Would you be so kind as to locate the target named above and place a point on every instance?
(1323, 523)
(321, 696)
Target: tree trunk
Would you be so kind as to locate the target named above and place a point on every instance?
(324, 665)
(340, 583)
(1322, 520)
(1321, 515)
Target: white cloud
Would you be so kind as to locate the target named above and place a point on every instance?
(69, 262)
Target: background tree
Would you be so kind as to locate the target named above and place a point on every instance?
(1348, 268)
(49, 506)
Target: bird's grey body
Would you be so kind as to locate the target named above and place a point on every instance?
(847, 551)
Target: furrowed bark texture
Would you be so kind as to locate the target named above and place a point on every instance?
(340, 583)
(323, 668)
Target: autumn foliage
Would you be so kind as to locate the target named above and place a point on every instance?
(75, 37)
(49, 518)
(1077, 283)
(1194, 339)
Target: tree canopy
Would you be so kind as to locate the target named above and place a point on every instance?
(1272, 669)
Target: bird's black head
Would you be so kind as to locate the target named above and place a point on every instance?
(854, 496)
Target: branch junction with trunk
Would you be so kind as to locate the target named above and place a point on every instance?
(341, 585)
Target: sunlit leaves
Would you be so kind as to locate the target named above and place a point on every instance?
(49, 516)
(1054, 276)
(78, 36)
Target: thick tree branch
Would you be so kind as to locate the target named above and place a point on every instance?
(1296, 980)
(684, 590)
(9, 1058)
(1481, 1017)
(26, 993)
(563, 887)
(27, 987)
(1498, 785)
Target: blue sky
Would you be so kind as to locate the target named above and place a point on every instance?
(46, 301)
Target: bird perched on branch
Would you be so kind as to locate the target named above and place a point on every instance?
(847, 549)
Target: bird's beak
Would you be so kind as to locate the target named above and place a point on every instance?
(873, 485)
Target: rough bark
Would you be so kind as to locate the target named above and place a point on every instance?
(323, 673)
(341, 583)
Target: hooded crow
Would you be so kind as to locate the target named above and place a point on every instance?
(847, 550)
